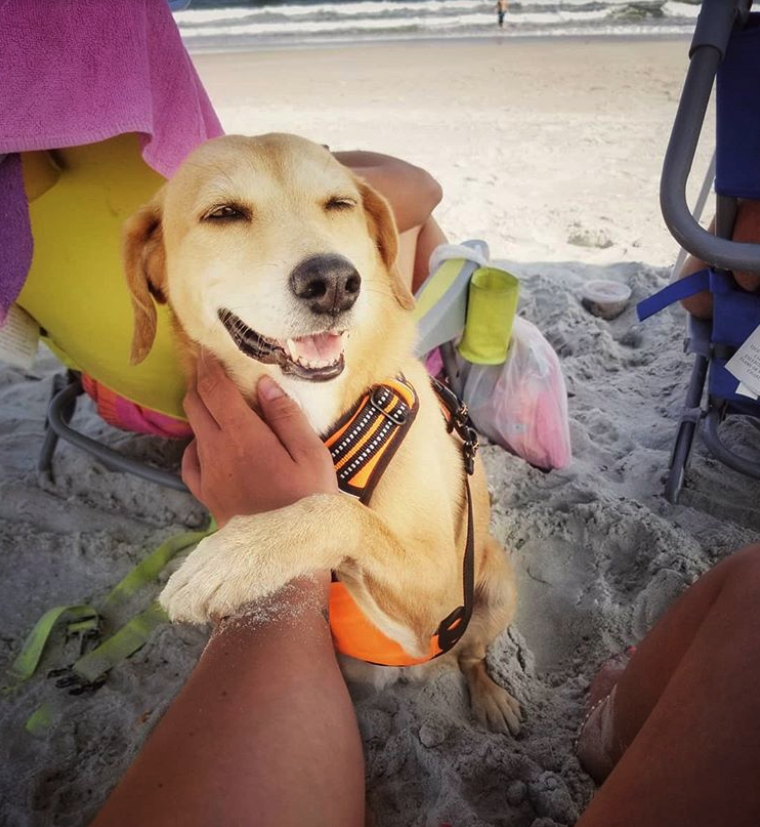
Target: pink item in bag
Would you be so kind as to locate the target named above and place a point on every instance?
(522, 404)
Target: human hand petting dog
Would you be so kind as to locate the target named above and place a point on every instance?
(243, 463)
(247, 468)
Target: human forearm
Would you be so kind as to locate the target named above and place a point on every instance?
(263, 732)
(412, 192)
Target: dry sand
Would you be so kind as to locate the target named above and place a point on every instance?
(551, 152)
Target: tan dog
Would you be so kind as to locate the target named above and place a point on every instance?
(277, 259)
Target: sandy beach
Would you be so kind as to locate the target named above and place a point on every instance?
(551, 152)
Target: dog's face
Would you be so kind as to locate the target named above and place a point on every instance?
(271, 254)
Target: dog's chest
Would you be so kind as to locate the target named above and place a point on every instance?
(320, 402)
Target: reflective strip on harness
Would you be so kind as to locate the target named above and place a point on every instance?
(362, 446)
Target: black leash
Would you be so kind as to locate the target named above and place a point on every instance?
(453, 627)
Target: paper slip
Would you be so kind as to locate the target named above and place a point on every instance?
(19, 337)
(743, 390)
(745, 363)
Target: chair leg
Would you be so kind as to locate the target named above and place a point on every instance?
(687, 428)
(711, 437)
(50, 442)
(60, 412)
(679, 461)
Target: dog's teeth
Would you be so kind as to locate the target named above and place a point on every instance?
(292, 350)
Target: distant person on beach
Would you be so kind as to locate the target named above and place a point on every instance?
(264, 731)
(501, 11)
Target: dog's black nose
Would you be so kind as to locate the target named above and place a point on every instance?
(328, 284)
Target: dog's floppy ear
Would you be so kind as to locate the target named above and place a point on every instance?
(383, 230)
(145, 267)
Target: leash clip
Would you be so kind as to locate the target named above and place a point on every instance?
(470, 448)
(397, 417)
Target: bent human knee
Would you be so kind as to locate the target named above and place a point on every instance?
(742, 570)
(433, 189)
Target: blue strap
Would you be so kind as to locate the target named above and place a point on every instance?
(678, 290)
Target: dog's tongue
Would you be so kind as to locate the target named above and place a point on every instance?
(322, 348)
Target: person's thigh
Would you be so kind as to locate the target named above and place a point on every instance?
(687, 711)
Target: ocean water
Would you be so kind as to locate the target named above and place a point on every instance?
(237, 24)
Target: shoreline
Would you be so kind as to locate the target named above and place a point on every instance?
(433, 40)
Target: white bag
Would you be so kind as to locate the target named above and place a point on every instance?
(522, 403)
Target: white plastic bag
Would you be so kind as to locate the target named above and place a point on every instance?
(522, 404)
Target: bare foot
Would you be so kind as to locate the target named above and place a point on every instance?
(607, 676)
(596, 737)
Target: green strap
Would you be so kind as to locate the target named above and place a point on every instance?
(83, 626)
(148, 570)
(26, 662)
(85, 618)
(131, 637)
(40, 720)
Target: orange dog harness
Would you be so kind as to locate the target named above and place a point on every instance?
(362, 446)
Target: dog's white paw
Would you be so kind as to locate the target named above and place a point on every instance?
(252, 558)
(224, 573)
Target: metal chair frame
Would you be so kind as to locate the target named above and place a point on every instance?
(715, 24)
(67, 388)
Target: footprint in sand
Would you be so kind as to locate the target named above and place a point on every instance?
(580, 236)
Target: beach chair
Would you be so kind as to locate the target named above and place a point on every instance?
(726, 45)
(78, 199)
(77, 293)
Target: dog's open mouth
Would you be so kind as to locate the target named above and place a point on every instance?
(318, 357)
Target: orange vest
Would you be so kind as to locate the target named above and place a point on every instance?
(354, 635)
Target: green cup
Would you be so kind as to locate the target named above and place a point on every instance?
(491, 309)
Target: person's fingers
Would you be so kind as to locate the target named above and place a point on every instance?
(191, 469)
(286, 419)
(198, 415)
(219, 393)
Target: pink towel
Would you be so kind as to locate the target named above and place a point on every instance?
(15, 233)
(79, 71)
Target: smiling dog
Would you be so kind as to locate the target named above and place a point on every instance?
(277, 259)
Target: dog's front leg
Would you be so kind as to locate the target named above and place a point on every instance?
(252, 557)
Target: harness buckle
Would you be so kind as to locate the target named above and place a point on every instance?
(451, 629)
(397, 417)
(73, 683)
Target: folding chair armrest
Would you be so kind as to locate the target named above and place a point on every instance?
(716, 21)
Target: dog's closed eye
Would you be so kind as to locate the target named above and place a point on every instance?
(339, 202)
(227, 212)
